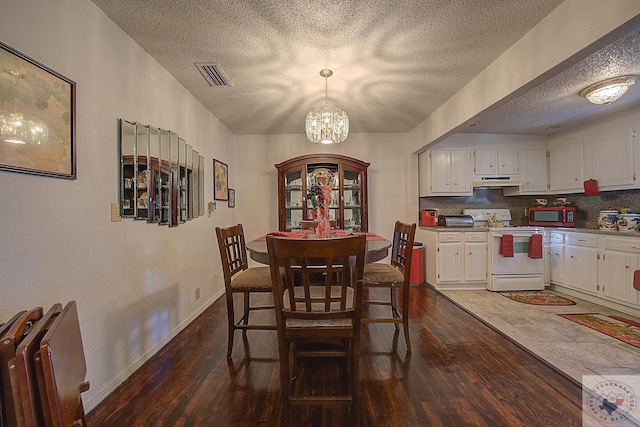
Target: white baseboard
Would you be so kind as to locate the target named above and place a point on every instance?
(90, 405)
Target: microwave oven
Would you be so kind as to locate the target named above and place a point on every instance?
(553, 216)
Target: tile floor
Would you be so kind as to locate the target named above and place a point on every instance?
(574, 349)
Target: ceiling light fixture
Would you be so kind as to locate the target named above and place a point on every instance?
(327, 125)
(609, 90)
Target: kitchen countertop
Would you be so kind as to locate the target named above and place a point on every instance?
(567, 229)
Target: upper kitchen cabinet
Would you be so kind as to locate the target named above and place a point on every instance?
(534, 172)
(609, 160)
(445, 173)
(495, 161)
(348, 205)
(566, 168)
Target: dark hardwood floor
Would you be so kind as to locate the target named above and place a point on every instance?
(460, 373)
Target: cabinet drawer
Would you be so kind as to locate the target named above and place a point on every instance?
(587, 240)
(557, 238)
(625, 245)
(450, 237)
(475, 237)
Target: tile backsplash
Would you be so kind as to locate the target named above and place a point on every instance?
(588, 207)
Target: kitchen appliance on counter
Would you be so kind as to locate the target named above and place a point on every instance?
(455, 221)
(552, 216)
(523, 271)
(429, 217)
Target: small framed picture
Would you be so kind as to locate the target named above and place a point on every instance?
(232, 198)
(126, 204)
(220, 180)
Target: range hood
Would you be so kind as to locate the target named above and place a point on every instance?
(496, 181)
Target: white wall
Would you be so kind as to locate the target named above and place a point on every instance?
(134, 283)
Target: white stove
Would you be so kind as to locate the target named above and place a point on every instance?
(520, 272)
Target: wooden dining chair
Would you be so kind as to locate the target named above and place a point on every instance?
(311, 311)
(393, 276)
(61, 369)
(239, 278)
(11, 414)
(310, 224)
(32, 406)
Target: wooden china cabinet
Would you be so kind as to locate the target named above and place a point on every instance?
(349, 190)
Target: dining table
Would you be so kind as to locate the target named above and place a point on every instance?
(377, 246)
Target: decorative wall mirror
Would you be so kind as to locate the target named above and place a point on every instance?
(161, 176)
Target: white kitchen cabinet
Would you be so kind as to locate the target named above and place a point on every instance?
(534, 172)
(556, 258)
(496, 161)
(460, 259)
(621, 257)
(449, 173)
(609, 160)
(566, 168)
(475, 257)
(581, 262)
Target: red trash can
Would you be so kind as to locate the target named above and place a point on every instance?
(416, 277)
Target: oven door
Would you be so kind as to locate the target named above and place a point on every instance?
(520, 263)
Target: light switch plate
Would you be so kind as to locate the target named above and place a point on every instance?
(115, 212)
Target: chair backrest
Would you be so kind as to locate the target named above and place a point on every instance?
(233, 251)
(296, 265)
(308, 224)
(402, 249)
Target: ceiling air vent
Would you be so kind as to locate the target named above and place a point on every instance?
(213, 74)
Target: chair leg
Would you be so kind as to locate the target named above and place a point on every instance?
(231, 322)
(394, 305)
(286, 384)
(405, 317)
(246, 310)
(355, 383)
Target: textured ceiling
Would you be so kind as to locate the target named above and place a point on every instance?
(394, 62)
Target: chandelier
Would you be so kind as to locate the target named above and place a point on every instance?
(327, 125)
(609, 90)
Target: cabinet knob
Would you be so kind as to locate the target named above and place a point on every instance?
(626, 266)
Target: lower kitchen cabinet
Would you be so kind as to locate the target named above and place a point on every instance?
(597, 266)
(621, 258)
(458, 259)
(581, 262)
(556, 258)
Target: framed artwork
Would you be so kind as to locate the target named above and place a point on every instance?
(37, 117)
(232, 198)
(220, 180)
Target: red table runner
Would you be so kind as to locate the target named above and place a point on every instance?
(301, 233)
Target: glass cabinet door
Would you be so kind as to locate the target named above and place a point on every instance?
(352, 193)
(317, 175)
(294, 199)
